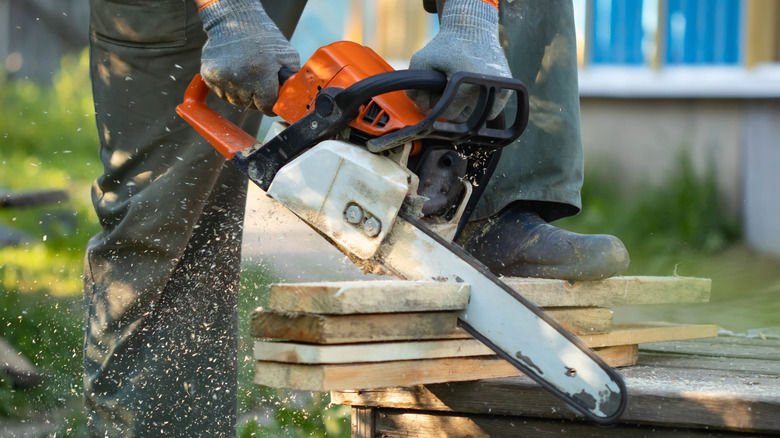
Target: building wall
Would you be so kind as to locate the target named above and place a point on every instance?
(762, 175)
(642, 139)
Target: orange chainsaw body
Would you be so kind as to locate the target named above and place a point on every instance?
(342, 64)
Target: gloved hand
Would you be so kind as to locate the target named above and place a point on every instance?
(467, 41)
(244, 53)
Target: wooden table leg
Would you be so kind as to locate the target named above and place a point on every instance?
(363, 422)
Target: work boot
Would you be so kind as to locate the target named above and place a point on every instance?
(518, 243)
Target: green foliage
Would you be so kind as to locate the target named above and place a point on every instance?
(49, 142)
(48, 331)
(48, 133)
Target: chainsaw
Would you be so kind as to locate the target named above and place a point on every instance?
(392, 187)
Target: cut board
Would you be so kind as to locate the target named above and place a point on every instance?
(338, 329)
(402, 373)
(333, 329)
(350, 297)
(292, 352)
(615, 291)
(623, 334)
(583, 320)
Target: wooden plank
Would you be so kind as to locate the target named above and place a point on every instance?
(623, 334)
(351, 297)
(615, 291)
(363, 422)
(290, 352)
(745, 401)
(343, 329)
(405, 423)
(381, 374)
(686, 407)
(710, 362)
(732, 347)
(321, 377)
(325, 329)
(583, 320)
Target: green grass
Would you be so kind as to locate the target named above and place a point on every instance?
(48, 330)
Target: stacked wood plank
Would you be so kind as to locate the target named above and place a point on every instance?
(715, 387)
(372, 334)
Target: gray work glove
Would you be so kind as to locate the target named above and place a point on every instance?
(467, 41)
(244, 53)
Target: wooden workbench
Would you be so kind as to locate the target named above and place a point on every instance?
(725, 386)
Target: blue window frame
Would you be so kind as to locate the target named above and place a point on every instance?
(703, 31)
(616, 34)
(692, 32)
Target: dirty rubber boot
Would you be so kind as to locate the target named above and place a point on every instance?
(519, 243)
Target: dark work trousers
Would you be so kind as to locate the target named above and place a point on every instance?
(161, 279)
(544, 167)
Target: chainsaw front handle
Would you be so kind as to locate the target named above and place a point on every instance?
(224, 135)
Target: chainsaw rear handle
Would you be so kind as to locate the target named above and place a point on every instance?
(224, 135)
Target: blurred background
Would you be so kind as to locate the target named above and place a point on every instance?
(679, 101)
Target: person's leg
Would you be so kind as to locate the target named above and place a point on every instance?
(545, 164)
(161, 279)
(539, 176)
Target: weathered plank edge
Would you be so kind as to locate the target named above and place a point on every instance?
(356, 297)
(615, 291)
(328, 377)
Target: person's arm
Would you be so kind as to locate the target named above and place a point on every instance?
(467, 41)
(245, 50)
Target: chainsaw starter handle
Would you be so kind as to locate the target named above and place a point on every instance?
(223, 134)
